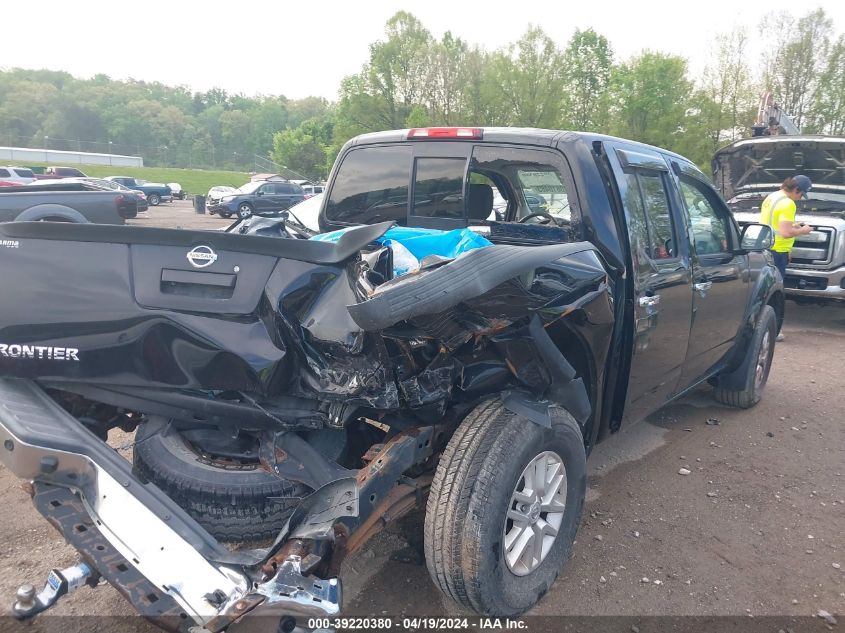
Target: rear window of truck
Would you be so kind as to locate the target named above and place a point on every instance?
(439, 187)
(371, 186)
(412, 184)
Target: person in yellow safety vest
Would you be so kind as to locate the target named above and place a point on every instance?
(778, 212)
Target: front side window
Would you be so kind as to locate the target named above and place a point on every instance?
(4, 172)
(709, 231)
(439, 188)
(371, 186)
(24, 173)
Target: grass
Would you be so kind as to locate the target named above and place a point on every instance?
(192, 180)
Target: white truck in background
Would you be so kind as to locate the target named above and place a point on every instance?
(749, 170)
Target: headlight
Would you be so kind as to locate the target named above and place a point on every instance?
(227, 198)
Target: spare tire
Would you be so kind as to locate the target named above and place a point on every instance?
(234, 501)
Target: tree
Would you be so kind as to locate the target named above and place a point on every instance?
(728, 88)
(794, 64)
(448, 75)
(652, 96)
(587, 63)
(301, 150)
(530, 77)
(829, 107)
(394, 80)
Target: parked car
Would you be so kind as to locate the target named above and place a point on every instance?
(212, 198)
(100, 184)
(61, 172)
(258, 198)
(312, 190)
(177, 191)
(309, 391)
(156, 192)
(61, 201)
(17, 175)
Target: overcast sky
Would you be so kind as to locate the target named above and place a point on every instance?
(306, 48)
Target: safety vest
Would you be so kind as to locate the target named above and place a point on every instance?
(772, 216)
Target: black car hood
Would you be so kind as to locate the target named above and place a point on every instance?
(753, 163)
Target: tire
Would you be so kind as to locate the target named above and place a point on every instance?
(51, 213)
(743, 387)
(154, 199)
(232, 505)
(244, 210)
(468, 509)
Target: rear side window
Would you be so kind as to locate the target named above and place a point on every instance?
(371, 185)
(656, 203)
(439, 188)
(637, 226)
(5, 172)
(24, 173)
(510, 184)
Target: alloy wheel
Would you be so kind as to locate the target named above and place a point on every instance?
(535, 513)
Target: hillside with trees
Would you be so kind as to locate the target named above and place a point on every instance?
(412, 79)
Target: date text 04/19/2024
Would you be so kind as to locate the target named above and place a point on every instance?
(416, 623)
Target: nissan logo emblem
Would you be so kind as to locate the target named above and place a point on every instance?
(201, 256)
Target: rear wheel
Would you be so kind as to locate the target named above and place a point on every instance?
(504, 507)
(154, 199)
(231, 498)
(744, 386)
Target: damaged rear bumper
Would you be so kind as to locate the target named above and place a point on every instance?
(134, 536)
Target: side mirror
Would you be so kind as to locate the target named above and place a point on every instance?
(259, 193)
(756, 237)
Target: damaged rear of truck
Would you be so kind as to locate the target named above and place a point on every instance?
(309, 392)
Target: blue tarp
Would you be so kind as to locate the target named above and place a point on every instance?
(412, 245)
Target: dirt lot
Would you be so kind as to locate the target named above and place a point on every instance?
(755, 529)
(177, 215)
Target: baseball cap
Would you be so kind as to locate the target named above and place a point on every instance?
(804, 184)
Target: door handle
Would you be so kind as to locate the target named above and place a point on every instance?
(703, 287)
(649, 301)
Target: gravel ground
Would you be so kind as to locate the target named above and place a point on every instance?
(755, 529)
(177, 215)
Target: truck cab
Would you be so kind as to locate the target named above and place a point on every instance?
(688, 282)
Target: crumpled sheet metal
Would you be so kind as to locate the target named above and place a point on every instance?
(477, 345)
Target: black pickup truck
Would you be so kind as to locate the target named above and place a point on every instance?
(312, 390)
